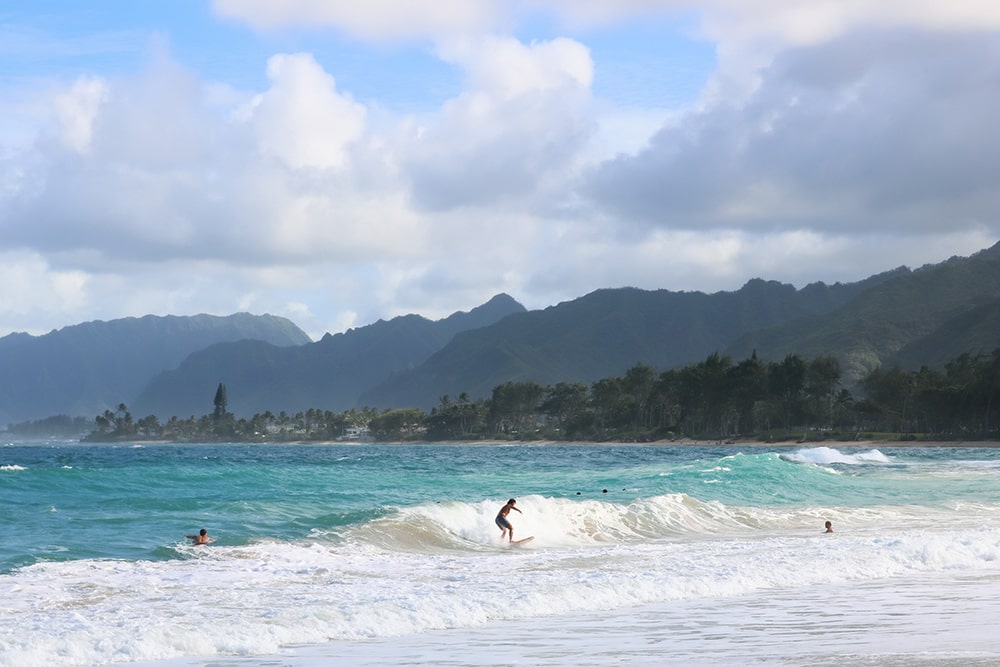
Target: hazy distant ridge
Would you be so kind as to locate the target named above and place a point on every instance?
(83, 369)
(171, 366)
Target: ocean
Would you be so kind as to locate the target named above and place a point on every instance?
(372, 554)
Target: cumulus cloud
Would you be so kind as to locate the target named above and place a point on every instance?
(291, 191)
(884, 128)
(797, 23)
(302, 119)
(829, 129)
(30, 287)
(76, 108)
(783, 22)
(145, 168)
(519, 125)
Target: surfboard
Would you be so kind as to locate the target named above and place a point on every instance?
(522, 541)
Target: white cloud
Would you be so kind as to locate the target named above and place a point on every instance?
(791, 22)
(166, 176)
(876, 130)
(76, 110)
(376, 19)
(747, 35)
(514, 133)
(856, 128)
(786, 22)
(302, 119)
(33, 291)
(508, 68)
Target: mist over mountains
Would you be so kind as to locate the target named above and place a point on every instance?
(171, 366)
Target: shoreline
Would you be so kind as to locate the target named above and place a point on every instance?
(687, 442)
(679, 442)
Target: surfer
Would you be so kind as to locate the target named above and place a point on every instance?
(201, 538)
(505, 527)
(829, 527)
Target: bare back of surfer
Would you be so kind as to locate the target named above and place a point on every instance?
(505, 528)
(201, 538)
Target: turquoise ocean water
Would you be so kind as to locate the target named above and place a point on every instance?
(348, 549)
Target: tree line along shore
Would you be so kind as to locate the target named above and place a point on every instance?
(717, 399)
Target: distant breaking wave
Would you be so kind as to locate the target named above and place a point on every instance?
(826, 455)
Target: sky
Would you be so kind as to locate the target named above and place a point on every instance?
(336, 162)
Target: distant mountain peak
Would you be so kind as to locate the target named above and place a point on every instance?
(501, 299)
(757, 284)
(500, 302)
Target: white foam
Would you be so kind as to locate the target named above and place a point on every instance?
(920, 620)
(254, 599)
(827, 455)
(12, 468)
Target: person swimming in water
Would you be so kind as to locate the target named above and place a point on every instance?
(503, 523)
(829, 527)
(201, 538)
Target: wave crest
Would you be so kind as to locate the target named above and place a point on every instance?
(828, 455)
(561, 522)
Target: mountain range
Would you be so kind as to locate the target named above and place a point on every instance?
(328, 374)
(171, 366)
(84, 369)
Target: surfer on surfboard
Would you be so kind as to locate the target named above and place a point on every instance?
(505, 527)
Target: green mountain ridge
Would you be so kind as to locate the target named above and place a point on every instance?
(604, 333)
(976, 331)
(886, 324)
(327, 374)
(172, 366)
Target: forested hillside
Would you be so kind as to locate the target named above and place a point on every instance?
(912, 318)
(921, 317)
(605, 332)
(330, 373)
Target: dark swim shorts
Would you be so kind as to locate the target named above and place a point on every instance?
(503, 522)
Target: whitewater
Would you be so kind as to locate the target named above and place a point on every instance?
(379, 554)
